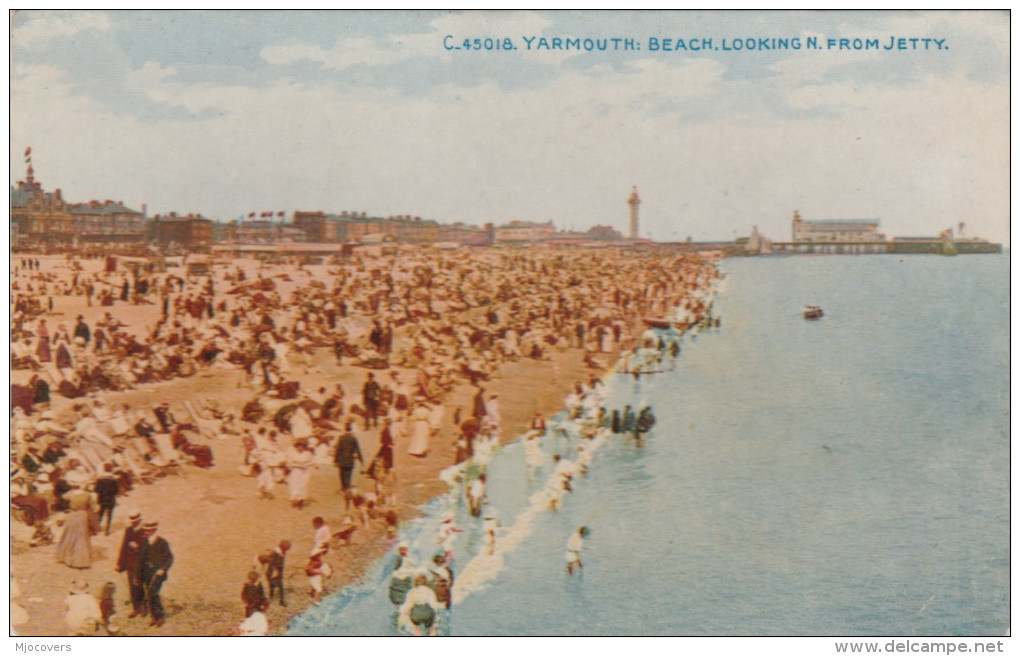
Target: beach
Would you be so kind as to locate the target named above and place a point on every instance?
(213, 518)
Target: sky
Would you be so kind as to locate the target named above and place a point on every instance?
(229, 112)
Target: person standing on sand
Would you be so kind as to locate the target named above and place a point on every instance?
(422, 429)
(316, 570)
(253, 595)
(127, 558)
(151, 569)
(106, 489)
(300, 463)
(381, 466)
(274, 563)
(269, 461)
(82, 334)
(370, 397)
(384, 456)
(347, 449)
(75, 547)
(323, 534)
(42, 351)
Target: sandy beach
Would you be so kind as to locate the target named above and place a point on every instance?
(213, 518)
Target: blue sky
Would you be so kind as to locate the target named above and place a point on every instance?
(225, 113)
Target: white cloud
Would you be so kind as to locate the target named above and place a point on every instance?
(282, 55)
(148, 76)
(488, 23)
(348, 51)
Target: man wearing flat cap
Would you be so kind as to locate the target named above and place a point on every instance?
(154, 561)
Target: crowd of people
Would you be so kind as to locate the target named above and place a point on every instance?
(417, 325)
(422, 590)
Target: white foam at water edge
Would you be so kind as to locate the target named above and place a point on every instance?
(485, 567)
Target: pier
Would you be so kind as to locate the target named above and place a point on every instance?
(894, 247)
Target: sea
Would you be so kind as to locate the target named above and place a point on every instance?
(841, 477)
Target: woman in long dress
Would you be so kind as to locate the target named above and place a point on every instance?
(75, 547)
(301, 424)
(421, 430)
(42, 351)
(300, 463)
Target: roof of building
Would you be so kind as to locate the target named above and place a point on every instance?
(100, 208)
(840, 225)
(181, 219)
(526, 224)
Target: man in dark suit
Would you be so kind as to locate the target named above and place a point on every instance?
(274, 562)
(82, 332)
(347, 450)
(106, 490)
(370, 396)
(154, 561)
(128, 556)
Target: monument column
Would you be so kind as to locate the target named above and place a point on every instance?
(634, 201)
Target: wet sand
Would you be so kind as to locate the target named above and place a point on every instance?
(213, 519)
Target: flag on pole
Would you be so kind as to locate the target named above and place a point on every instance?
(28, 154)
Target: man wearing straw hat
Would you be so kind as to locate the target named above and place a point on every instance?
(154, 561)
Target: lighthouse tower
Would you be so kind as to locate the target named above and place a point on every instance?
(634, 201)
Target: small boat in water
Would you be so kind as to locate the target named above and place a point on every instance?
(812, 312)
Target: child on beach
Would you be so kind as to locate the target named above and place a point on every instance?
(317, 570)
(107, 606)
(253, 595)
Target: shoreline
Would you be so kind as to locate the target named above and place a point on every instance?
(209, 525)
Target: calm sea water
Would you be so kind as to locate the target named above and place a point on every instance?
(842, 477)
